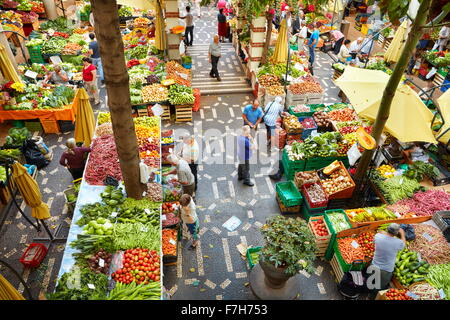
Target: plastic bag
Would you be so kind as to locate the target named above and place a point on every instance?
(33, 154)
(409, 231)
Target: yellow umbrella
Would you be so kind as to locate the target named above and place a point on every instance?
(85, 120)
(7, 291)
(281, 50)
(396, 47)
(444, 105)
(30, 192)
(7, 67)
(409, 118)
(159, 30)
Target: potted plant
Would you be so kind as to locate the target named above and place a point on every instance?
(289, 248)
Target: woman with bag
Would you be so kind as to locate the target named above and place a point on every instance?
(272, 112)
(189, 219)
(74, 158)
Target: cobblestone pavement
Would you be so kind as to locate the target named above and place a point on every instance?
(216, 269)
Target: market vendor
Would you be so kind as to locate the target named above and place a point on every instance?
(387, 245)
(355, 46)
(338, 38)
(152, 30)
(184, 173)
(58, 76)
(141, 37)
(252, 115)
(344, 55)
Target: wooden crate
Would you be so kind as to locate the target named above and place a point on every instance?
(50, 126)
(337, 270)
(166, 114)
(321, 241)
(183, 113)
(287, 210)
(142, 113)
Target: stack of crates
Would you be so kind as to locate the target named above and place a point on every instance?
(310, 209)
(288, 197)
(291, 167)
(330, 250)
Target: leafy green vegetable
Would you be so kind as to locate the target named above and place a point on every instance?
(419, 169)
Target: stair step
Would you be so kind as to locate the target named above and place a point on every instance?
(210, 91)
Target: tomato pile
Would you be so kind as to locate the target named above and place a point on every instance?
(140, 266)
(397, 294)
(319, 228)
(366, 241)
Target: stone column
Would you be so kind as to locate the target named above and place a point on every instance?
(50, 9)
(172, 20)
(241, 19)
(257, 38)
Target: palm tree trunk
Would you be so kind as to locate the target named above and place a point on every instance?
(117, 86)
(391, 87)
(269, 17)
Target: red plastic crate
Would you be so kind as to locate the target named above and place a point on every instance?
(314, 204)
(37, 252)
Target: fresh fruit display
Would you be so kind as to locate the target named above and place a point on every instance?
(321, 145)
(275, 90)
(339, 115)
(279, 70)
(132, 291)
(386, 170)
(125, 11)
(148, 122)
(100, 262)
(101, 226)
(350, 250)
(338, 221)
(171, 194)
(338, 180)
(155, 93)
(301, 108)
(140, 266)
(154, 192)
(168, 140)
(397, 294)
(291, 124)
(319, 228)
(305, 87)
(141, 22)
(367, 244)
(103, 117)
(370, 214)
(425, 291)
(269, 80)
(409, 268)
(169, 242)
(181, 95)
(322, 119)
(173, 67)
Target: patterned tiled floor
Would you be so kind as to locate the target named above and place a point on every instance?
(216, 269)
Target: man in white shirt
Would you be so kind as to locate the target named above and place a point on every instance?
(183, 171)
(189, 32)
(355, 46)
(190, 153)
(441, 43)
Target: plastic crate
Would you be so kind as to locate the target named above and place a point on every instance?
(307, 131)
(329, 224)
(356, 266)
(36, 54)
(314, 205)
(288, 193)
(438, 218)
(321, 162)
(38, 252)
(308, 212)
(297, 164)
(50, 126)
(252, 263)
(300, 114)
(33, 126)
(287, 210)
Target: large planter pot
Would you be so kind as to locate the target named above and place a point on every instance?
(275, 278)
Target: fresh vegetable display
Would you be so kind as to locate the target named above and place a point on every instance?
(397, 188)
(315, 193)
(132, 291)
(169, 219)
(301, 108)
(397, 294)
(425, 203)
(54, 46)
(169, 242)
(346, 114)
(181, 95)
(275, 90)
(366, 242)
(439, 278)
(138, 52)
(6, 154)
(2, 174)
(269, 80)
(154, 93)
(136, 235)
(322, 119)
(16, 137)
(169, 207)
(319, 228)
(431, 244)
(321, 145)
(140, 266)
(292, 124)
(419, 169)
(125, 11)
(386, 170)
(409, 268)
(425, 291)
(350, 250)
(338, 221)
(100, 262)
(337, 181)
(101, 226)
(308, 123)
(370, 214)
(305, 87)
(154, 192)
(304, 177)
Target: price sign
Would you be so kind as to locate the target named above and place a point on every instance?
(171, 241)
(91, 286)
(56, 60)
(108, 225)
(114, 214)
(147, 211)
(412, 295)
(31, 74)
(428, 237)
(442, 293)
(101, 262)
(355, 244)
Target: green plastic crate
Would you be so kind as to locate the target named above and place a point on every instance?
(298, 164)
(344, 265)
(314, 107)
(36, 54)
(288, 193)
(322, 162)
(251, 263)
(330, 249)
(300, 114)
(33, 126)
(308, 212)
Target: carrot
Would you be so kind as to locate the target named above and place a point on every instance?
(348, 252)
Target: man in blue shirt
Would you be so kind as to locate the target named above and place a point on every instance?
(312, 43)
(95, 56)
(245, 145)
(252, 115)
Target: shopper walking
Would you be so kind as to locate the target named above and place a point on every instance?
(90, 80)
(444, 35)
(184, 173)
(245, 146)
(222, 25)
(95, 56)
(313, 40)
(272, 112)
(214, 56)
(190, 153)
(338, 38)
(189, 218)
(344, 55)
(387, 245)
(74, 158)
(252, 115)
(189, 32)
